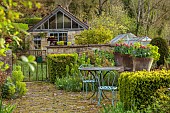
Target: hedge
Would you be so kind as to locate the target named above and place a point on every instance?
(57, 64)
(21, 26)
(30, 21)
(138, 88)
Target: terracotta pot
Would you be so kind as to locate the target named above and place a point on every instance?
(140, 64)
(127, 62)
(118, 59)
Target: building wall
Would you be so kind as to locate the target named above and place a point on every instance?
(71, 36)
(44, 42)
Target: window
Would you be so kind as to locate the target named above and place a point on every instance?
(59, 20)
(60, 36)
(74, 24)
(45, 25)
(52, 22)
(67, 22)
(37, 42)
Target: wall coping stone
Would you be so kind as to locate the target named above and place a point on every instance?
(79, 46)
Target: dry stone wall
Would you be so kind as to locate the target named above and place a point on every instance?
(76, 48)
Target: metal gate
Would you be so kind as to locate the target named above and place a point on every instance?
(41, 70)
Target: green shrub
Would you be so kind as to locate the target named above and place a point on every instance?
(70, 83)
(8, 89)
(13, 86)
(57, 64)
(21, 26)
(6, 108)
(29, 21)
(100, 35)
(138, 88)
(163, 49)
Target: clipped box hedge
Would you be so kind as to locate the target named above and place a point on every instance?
(138, 88)
(57, 64)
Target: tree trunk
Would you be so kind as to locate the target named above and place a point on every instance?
(138, 17)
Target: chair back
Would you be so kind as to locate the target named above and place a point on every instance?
(106, 79)
(85, 75)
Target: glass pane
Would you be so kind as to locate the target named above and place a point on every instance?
(74, 24)
(56, 36)
(38, 28)
(67, 22)
(37, 44)
(59, 20)
(64, 36)
(46, 25)
(51, 34)
(60, 36)
(52, 22)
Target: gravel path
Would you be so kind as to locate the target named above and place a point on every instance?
(45, 98)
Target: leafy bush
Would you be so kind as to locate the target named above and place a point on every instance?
(6, 108)
(139, 87)
(13, 86)
(8, 89)
(57, 64)
(163, 49)
(70, 83)
(100, 35)
(21, 25)
(29, 20)
(101, 58)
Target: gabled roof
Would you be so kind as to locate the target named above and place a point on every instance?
(54, 12)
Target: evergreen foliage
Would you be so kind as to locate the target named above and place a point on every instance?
(140, 88)
(57, 64)
(163, 49)
(13, 86)
(100, 35)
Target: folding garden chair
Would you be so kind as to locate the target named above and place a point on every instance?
(106, 83)
(87, 77)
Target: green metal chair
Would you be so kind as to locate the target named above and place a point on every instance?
(87, 78)
(106, 84)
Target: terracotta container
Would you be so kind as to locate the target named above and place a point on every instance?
(118, 59)
(140, 64)
(127, 62)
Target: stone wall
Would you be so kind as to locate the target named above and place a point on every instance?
(76, 48)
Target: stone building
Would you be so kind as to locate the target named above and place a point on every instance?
(59, 25)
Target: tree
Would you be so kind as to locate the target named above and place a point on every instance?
(151, 16)
(8, 28)
(64, 3)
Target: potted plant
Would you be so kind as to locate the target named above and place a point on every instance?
(127, 58)
(69, 43)
(117, 55)
(60, 43)
(143, 56)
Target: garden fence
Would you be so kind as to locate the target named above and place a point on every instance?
(41, 70)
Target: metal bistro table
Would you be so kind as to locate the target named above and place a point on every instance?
(97, 71)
